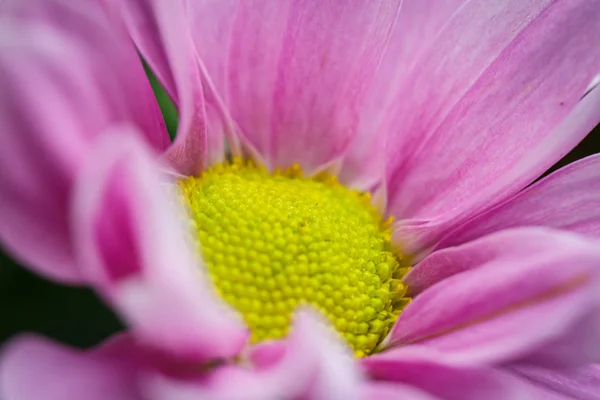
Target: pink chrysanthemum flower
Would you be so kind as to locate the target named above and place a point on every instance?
(273, 273)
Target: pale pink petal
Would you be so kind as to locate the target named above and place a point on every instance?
(416, 234)
(581, 383)
(138, 252)
(416, 29)
(506, 246)
(313, 366)
(215, 140)
(211, 25)
(488, 290)
(33, 368)
(160, 30)
(568, 199)
(211, 22)
(448, 381)
(486, 110)
(295, 85)
(64, 76)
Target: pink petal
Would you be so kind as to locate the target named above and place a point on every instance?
(135, 246)
(266, 354)
(431, 374)
(583, 118)
(295, 85)
(112, 63)
(160, 31)
(418, 24)
(567, 199)
(393, 391)
(582, 383)
(65, 76)
(504, 245)
(488, 290)
(313, 366)
(34, 368)
(486, 110)
(211, 25)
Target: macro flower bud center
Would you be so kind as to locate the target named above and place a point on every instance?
(276, 241)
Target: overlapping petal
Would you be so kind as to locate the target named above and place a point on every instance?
(309, 364)
(296, 84)
(430, 373)
(304, 89)
(487, 109)
(416, 29)
(65, 77)
(135, 249)
(312, 366)
(106, 59)
(160, 30)
(475, 299)
(211, 24)
(567, 199)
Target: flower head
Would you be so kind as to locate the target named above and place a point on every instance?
(346, 177)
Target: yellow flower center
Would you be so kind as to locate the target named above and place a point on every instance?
(274, 241)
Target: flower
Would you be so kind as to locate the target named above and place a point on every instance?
(445, 111)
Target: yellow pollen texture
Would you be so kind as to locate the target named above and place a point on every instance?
(276, 241)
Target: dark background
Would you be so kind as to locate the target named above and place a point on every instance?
(76, 316)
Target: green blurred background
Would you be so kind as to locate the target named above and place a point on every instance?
(76, 316)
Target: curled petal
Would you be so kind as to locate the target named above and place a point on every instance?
(138, 253)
